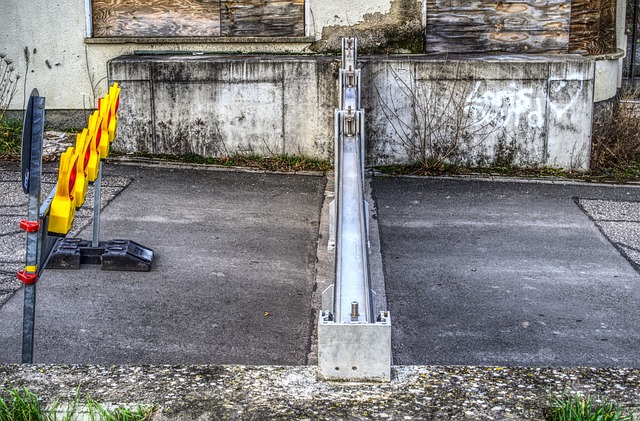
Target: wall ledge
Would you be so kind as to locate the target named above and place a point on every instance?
(199, 40)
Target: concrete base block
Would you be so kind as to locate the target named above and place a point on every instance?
(355, 351)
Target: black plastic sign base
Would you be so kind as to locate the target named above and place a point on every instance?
(125, 255)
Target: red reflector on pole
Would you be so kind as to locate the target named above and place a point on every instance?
(27, 278)
(30, 226)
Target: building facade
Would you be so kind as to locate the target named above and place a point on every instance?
(525, 75)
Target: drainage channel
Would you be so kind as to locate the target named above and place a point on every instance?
(354, 343)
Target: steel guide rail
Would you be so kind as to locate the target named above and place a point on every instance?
(353, 342)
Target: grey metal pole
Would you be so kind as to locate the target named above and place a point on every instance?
(33, 130)
(634, 40)
(97, 188)
(28, 323)
(353, 344)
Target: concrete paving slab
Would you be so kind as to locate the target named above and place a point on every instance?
(505, 273)
(232, 280)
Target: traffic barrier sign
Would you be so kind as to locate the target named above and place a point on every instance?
(79, 165)
(104, 139)
(63, 207)
(82, 180)
(114, 95)
(95, 134)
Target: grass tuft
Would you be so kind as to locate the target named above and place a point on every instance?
(23, 405)
(10, 137)
(581, 408)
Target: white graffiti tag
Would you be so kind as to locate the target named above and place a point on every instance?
(509, 106)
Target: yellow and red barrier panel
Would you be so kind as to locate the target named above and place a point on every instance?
(82, 181)
(80, 166)
(63, 206)
(114, 96)
(95, 135)
(104, 108)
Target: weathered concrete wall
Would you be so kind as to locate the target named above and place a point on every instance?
(511, 110)
(220, 105)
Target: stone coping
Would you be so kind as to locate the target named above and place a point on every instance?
(275, 392)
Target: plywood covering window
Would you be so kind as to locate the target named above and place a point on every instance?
(593, 27)
(198, 18)
(525, 26)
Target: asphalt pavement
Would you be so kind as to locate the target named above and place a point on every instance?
(488, 272)
(511, 273)
(232, 280)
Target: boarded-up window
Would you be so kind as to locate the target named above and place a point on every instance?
(593, 27)
(198, 18)
(481, 26)
(526, 26)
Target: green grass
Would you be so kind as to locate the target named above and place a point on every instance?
(10, 137)
(581, 408)
(23, 405)
(620, 174)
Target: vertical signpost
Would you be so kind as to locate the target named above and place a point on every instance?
(31, 181)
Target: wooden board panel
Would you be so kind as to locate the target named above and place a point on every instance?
(262, 18)
(156, 18)
(593, 27)
(481, 26)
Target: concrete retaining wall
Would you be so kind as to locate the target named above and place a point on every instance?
(518, 110)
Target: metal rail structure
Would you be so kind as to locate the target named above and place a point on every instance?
(354, 343)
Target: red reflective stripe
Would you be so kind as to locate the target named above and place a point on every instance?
(30, 226)
(27, 278)
(72, 178)
(99, 135)
(87, 155)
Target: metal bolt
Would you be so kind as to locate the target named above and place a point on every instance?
(354, 311)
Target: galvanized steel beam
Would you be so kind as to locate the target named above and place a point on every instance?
(354, 343)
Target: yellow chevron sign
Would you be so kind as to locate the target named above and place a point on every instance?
(82, 181)
(95, 135)
(63, 206)
(104, 109)
(114, 95)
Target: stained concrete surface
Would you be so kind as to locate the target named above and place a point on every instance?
(232, 280)
(507, 273)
